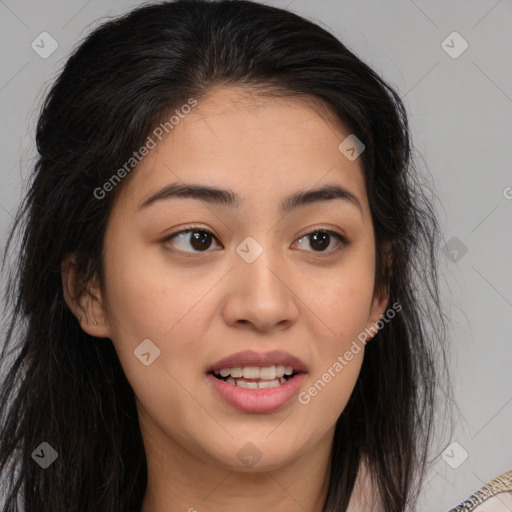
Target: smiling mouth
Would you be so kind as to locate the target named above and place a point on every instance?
(256, 377)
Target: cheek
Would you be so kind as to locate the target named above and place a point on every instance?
(342, 308)
(327, 392)
(342, 303)
(343, 316)
(148, 296)
(148, 301)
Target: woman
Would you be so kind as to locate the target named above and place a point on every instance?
(226, 291)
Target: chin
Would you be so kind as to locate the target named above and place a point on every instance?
(258, 455)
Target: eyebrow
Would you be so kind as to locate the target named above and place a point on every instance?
(226, 197)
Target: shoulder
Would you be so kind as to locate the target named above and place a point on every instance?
(495, 496)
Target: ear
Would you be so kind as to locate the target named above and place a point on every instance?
(378, 308)
(381, 293)
(84, 299)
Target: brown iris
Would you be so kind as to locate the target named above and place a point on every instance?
(320, 240)
(201, 240)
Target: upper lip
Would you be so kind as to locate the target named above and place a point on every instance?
(260, 359)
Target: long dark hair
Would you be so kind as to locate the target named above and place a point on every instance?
(67, 388)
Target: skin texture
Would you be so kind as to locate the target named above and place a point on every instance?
(199, 307)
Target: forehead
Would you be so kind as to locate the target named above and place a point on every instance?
(270, 120)
(260, 146)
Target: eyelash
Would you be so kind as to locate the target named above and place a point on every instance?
(342, 241)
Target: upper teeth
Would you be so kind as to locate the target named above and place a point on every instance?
(255, 372)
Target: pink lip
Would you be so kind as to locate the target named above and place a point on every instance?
(257, 400)
(251, 358)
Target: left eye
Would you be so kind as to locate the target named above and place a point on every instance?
(320, 240)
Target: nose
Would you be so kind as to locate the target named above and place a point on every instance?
(260, 295)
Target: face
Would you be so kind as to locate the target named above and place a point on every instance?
(201, 278)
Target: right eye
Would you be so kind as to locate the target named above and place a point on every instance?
(199, 239)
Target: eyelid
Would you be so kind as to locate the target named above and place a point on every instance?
(188, 229)
(324, 229)
(342, 240)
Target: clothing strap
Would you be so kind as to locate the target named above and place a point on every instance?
(502, 483)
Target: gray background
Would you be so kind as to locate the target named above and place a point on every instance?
(461, 118)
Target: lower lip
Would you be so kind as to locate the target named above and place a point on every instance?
(257, 400)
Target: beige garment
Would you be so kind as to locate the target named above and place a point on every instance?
(496, 496)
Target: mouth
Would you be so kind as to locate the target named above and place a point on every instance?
(254, 377)
(257, 382)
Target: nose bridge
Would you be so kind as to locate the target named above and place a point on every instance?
(258, 292)
(260, 264)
